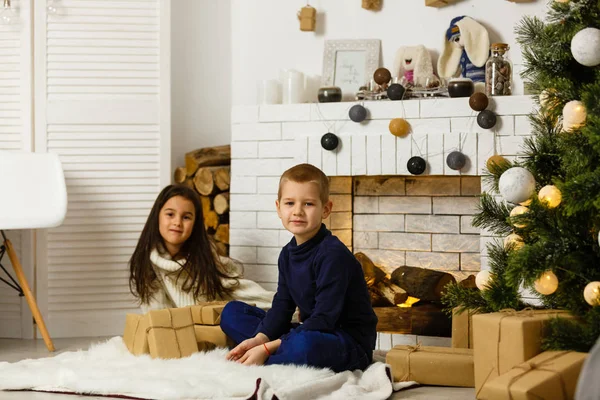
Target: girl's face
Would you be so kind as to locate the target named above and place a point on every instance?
(175, 222)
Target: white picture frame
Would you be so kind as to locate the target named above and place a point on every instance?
(350, 64)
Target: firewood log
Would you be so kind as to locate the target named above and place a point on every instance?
(223, 177)
(469, 282)
(393, 293)
(424, 284)
(222, 233)
(373, 274)
(206, 204)
(208, 156)
(189, 182)
(204, 182)
(179, 175)
(377, 299)
(211, 221)
(221, 203)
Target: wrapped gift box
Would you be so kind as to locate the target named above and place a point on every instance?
(135, 336)
(428, 365)
(209, 337)
(208, 313)
(462, 329)
(504, 340)
(171, 333)
(551, 375)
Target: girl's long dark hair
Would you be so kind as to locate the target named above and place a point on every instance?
(200, 262)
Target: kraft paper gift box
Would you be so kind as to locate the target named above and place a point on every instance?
(171, 333)
(429, 365)
(208, 313)
(209, 337)
(462, 329)
(504, 340)
(135, 336)
(551, 375)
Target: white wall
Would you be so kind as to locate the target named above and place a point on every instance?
(266, 34)
(201, 75)
(221, 48)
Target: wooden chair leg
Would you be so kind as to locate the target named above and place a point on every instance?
(12, 255)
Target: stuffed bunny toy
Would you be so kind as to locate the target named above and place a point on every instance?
(466, 49)
(414, 64)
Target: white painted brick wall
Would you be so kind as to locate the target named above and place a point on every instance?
(268, 139)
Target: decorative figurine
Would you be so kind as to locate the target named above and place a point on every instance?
(414, 64)
(466, 50)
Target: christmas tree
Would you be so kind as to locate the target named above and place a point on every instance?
(547, 203)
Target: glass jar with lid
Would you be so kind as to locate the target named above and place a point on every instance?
(498, 71)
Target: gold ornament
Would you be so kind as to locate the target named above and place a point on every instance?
(497, 160)
(399, 127)
(513, 241)
(526, 203)
(482, 279)
(562, 1)
(591, 293)
(547, 283)
(550, 196)
(519, 210)
(574, 115)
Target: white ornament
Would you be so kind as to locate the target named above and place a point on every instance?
(516, 185)
(482, 279)
(547, 283)
(550, 196)
(513, 240)
(574, 115)
(591, 293)
(585, 47)
(519, 210)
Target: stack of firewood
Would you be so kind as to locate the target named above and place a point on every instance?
(207, 171)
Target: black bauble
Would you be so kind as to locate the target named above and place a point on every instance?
(416, 165)
(456, 160)
(329, 141)
(486, 119)
(357, 113)
(395, 91)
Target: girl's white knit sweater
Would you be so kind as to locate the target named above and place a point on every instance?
(170, 294)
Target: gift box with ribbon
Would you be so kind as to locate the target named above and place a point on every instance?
(171, 333)
(135, 336)
(551, 375)
(208, 313)
(429, 365)
(208, 337)
(506, 339)
(462, 329)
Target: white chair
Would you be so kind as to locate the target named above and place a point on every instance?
(33, 195)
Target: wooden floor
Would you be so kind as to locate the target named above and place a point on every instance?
(12, 350)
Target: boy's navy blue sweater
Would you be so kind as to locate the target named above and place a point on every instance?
(326, 282)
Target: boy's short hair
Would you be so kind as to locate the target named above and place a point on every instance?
(303, 173)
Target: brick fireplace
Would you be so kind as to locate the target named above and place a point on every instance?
(380, 209)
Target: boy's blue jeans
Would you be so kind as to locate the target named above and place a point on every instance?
(336, 350)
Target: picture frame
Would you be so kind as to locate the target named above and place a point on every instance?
(350, 64)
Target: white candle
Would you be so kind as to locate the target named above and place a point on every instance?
(269, 92)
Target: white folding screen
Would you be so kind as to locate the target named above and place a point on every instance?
(16, 135)
(102, 102)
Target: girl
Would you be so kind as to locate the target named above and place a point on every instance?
(174, 263)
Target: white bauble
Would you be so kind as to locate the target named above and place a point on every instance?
(547, 283)
(591, 292)
(585, 47)
(516, 185)
(482, 279)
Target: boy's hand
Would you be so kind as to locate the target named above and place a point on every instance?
(240, 350)
(255, 356)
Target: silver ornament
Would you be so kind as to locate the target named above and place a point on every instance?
(516, 185)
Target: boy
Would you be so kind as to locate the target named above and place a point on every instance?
(317, 274)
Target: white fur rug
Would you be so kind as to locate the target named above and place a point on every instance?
(109, 369)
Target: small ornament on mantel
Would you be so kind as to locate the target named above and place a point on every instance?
(308, 18)
(373, 5)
